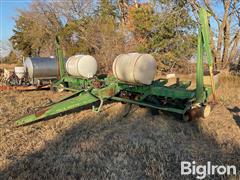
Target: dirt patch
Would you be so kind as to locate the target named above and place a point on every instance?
(107, 145)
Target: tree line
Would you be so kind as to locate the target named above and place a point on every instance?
(106, 28)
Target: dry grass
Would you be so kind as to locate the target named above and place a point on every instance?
(106, 145)
(229, 93)
(8, 66)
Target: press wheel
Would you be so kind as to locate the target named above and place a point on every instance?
(192, 114)
(60, 88)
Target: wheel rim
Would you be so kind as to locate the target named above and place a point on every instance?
(206, 111)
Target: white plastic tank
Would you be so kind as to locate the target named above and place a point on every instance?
(82, 66)
(135, 68)
(19, 71)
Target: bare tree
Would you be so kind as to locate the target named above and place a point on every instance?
(74, 9)
(123, 8)
(224, 40)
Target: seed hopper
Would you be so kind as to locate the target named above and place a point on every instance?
(176, 98)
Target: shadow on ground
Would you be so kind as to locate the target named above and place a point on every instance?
(139, 146)
(236, 114)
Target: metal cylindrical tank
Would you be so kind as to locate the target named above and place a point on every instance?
(41, 68)
(19, 71)
(135, 68)
(82, 66)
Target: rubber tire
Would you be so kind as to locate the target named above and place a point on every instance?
(186, 117)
